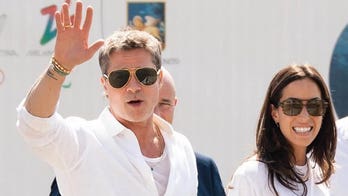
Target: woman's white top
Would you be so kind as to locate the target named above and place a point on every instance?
(251, 179)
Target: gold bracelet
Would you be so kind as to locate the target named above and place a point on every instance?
(57, 67)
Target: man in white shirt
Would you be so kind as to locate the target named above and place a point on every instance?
(340, 178)
(127, 150)
(209, 181)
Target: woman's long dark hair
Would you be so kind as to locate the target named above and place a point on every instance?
(272, 147)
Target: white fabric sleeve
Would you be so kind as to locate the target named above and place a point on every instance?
(53, 139)
(241, 185)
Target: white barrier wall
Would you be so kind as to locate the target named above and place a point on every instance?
(221, 53)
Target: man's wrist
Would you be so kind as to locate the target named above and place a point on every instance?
(54, 74)
(58, 68)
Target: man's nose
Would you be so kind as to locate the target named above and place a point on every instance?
(133, 85)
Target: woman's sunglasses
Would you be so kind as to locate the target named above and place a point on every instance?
(293, 106)
(119, 78)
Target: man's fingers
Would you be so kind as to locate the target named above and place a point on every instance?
(66, 16)
(88, 21)
(58, 19)
(94, 47)
(78, 15)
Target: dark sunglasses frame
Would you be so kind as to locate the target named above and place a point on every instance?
(314, 107)
(145, 75)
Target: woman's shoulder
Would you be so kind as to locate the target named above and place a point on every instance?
(252, 168)
(250, 178)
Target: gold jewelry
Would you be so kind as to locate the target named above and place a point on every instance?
(57, 67)
(162, 146)
(305, 176)
(67, 26)
(160, 139)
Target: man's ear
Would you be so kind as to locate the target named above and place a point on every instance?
(275, 113)
(103, 82)
(175, 101)
(160, 77)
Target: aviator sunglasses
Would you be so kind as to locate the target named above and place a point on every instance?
(293, 106)
(119, 78)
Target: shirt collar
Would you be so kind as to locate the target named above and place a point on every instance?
(163, 125)
(114, 127)
(111, 124)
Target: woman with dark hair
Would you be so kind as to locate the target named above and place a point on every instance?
(295, 139)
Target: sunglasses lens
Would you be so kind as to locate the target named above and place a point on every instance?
(292, 107)
(146, 76)
(119, 78)
(316, 107)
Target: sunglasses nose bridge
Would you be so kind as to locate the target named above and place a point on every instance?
(304, 109)
(133, 84)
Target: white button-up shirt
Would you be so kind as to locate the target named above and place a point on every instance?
(251, 179)
(102, 157)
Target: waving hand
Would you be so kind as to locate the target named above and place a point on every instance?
(72, 46)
